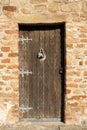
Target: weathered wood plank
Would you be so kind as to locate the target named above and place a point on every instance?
(51, 73)
(46, 74)
(57, 76)
(35, 76)
(30, 60)
(41, 77)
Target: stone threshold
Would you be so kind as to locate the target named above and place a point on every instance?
(42, 126)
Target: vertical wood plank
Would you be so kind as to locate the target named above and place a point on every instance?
(35, 77)
(57, 66)
(21, 82)
(26, 80)
(51, 73)
(41, 77)
(30, 68)
(46, 74)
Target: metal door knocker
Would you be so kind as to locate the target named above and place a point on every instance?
(41, 55)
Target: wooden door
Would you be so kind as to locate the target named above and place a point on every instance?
(40, 74)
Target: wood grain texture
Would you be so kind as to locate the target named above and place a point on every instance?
(41, 91)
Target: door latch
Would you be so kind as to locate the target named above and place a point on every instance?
(41, 55)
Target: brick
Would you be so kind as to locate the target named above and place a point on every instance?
(37, 1)
(9, 8)
(10, 95)
(82, 85)
(13, 67)
(5, 49)
(78, 98)
(11, 31)
(83, 16)
(84, 40)
(74, 104)
(86, 62)
(12, 54)
(78, 91)
(1, 54)
(5, 61)
(6, 77)
(72, 85)
(9, 77)
(2, 83)
(82, 35)
(8, 88)
(85, 52)
(68, 91)
(6, 37)
(15, 88)
(81, 63)
(68, 60)
(2, 66)
(16, 72)
(71, 40)
(70, 74)
(80, 45)
(85, 73)
(69, 45)
(14, 83)
(78, 79)
(83, 30)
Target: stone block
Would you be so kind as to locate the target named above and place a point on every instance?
(5, 2)
(53, 7)
(5, 60)
(84, 6)
(75, 7)
(25, 10)
(71, 127)
(65, 8)
(39, 18)
(37, 126)
(71, 7)
(40, 8)
(9, 8)
(5, 49)
(60, 1)
(37, 1)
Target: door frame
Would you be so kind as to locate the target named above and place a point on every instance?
(63, 64)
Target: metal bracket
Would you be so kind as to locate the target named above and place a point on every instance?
(25, 108)
(22, 39)
(25, 72)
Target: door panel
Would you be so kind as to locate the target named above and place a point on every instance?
(40, 81)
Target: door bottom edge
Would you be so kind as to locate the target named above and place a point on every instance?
(41, 120)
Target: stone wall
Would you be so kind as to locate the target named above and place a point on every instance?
(74, 14)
